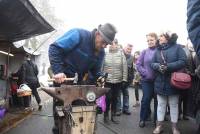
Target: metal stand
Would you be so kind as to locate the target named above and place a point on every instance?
(76, 119)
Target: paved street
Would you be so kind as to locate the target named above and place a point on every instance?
(41, 122)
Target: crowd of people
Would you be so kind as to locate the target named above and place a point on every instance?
(81, 51)
(151, 70)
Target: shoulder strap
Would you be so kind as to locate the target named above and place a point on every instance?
(162, 56)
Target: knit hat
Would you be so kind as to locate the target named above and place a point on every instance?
(107, 31)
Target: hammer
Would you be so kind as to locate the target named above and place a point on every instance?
(75, 79)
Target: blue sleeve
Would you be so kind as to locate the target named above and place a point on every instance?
(56, 55)
(154, 62)
(60, 48)
(193, 24)
(69, 40)
(180, 63)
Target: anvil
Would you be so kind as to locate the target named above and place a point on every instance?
(68, 93)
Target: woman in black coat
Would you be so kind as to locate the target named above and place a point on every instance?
(169, 57)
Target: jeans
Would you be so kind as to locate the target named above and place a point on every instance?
(35, 92)
(173, 104)
(148, 94)
(125, 95)
(111, 97)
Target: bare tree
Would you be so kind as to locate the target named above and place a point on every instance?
(48, 12)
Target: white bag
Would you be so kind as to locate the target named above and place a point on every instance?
(23, 87)
(24, 90)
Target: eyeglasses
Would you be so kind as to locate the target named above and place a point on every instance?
(102, 41)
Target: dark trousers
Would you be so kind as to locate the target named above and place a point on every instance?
(35, 92)
(155, 106)
(148, 94)
(111, 97)
(27, 101)
(136, 87)
(24, 101)
(16, 101)
(124, 106)
(183, 100)
(198, 131)
(55, 114)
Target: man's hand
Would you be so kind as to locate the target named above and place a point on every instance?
(135, 82)
(59, 78)
(102, 80)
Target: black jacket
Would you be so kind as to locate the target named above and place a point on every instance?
(28, 73)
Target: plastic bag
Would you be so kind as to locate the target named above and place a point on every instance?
(23, 87)
(101, 104)
(24, 90)
(2, 112)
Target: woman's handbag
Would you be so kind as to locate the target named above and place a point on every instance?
(181, 80)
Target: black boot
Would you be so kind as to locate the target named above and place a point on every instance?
(55, 130)
(198, 131)
(106, 119)
(185, 117)
(114, 119)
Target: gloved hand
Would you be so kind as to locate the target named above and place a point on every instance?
(102, 80)
(162, 68)
(124, 84)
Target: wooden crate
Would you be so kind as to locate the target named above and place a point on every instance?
(85, 119)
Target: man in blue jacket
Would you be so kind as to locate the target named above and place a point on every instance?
(193, 27)
(193, 24)
(79, 51)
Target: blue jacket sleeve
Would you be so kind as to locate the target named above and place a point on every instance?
(56, 55)
(193, 24)
(180, 63)
(60, 48)
(69, 40)
(154, 63)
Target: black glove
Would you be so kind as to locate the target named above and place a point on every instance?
(162, 68)
(124, 84)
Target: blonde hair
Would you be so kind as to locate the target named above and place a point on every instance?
(152, 34)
